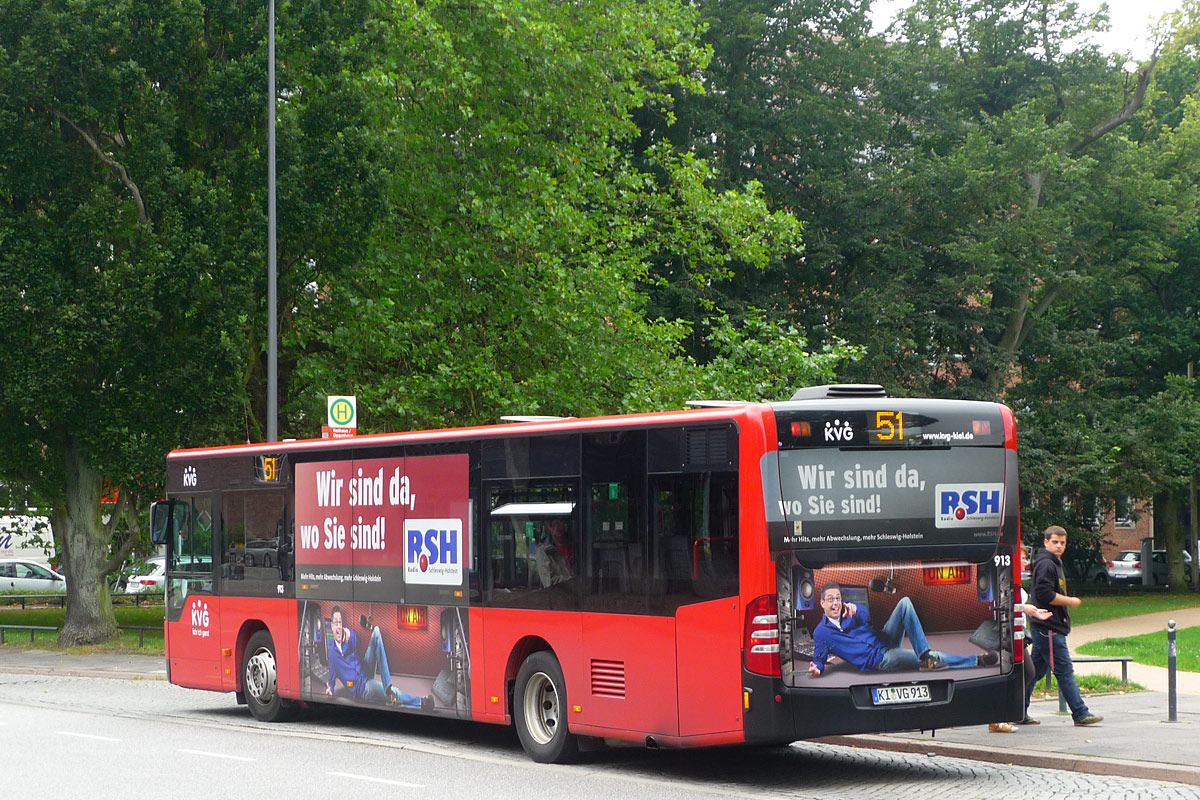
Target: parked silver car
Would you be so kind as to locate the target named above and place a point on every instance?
(19, 575)
(1127, 567)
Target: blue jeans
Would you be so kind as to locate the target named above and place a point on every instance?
(903, 621)
(375, 660)
(1064, 670)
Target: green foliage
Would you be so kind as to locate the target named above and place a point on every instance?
(1128, 604)
(149, 642)
(509, 277)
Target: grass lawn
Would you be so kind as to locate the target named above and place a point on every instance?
(1089, 685)
(1151, 648)
(1106, 607)
(144, 616)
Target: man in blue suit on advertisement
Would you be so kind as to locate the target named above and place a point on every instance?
(845, 632)
(357, 673)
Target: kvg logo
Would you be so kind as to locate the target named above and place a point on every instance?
(839, 431)
(200, 620)
(433, 551)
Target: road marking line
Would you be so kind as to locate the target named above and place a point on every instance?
(376, 780)
(214, 755)
(84, 735)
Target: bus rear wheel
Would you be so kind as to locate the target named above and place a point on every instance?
(260, 680)
(540, 711)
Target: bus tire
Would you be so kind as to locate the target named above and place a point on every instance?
(260, 684)
(540, 711)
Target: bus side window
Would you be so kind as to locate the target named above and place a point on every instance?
(251, 526)
(614, 521)
(694, 538)
(533, 545)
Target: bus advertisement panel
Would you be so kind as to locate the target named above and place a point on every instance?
(379, 543)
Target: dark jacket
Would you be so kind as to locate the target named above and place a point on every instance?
(1048, 580)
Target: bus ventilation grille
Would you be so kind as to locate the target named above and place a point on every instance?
(707, 448)
(840, 390)
(608, 678)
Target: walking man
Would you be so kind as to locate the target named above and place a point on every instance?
(1050, 651)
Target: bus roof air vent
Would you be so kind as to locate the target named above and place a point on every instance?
(716, 403)
(844, 390)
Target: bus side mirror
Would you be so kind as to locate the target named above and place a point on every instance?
(161, 519)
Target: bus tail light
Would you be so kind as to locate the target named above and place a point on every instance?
(762, 635)
(1019, 633)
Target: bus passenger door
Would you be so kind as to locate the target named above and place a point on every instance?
(192, 609)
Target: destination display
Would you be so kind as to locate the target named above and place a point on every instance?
(979, 425)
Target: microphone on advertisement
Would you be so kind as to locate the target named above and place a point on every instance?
(881, 585)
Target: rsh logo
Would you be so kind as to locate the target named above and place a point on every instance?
(839, 431)
(433, 551)
(968, 505)
(200, 620)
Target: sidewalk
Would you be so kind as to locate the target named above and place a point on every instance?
(129, 666)
(1134, 741)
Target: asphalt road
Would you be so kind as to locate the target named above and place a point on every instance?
(86, 737)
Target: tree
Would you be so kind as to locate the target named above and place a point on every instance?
(508, 277)
(132, 223)
(462, 231)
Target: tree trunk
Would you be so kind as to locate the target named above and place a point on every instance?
(90, 618)
(1172, 537)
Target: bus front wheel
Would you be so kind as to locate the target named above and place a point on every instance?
(540, 711)
(260, 680)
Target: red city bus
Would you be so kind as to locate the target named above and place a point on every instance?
(655, 578)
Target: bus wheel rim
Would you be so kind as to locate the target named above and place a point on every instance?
(542, 708)
(261, 676)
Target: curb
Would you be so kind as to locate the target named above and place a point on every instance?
(69, 672)
(1091, 765)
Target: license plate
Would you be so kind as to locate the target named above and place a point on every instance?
(886, 695)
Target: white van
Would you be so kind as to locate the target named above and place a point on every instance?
(20, 535)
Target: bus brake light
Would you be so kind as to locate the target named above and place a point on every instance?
(761, 645)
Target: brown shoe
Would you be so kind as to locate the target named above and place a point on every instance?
(1090, 719)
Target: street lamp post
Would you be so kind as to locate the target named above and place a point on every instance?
(272, 323)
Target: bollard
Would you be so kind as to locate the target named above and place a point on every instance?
(1172, 704)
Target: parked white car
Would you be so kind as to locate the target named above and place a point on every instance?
(152, 578)
(18, 575)
(1127, 567)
